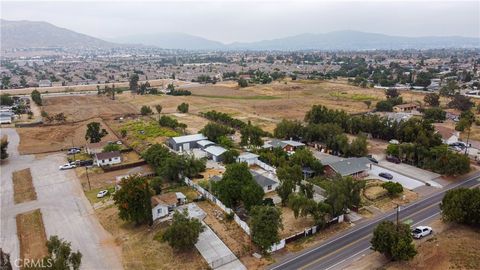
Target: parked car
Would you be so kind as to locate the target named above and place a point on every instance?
(67, 166)
(72, 151)
(102, 193)
(372, 159)
(421, 231)
(82, 163)
(393, 159)
(393, 141)
(386, 175)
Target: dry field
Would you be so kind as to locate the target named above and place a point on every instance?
(385, 203)
(34, 140)
(23, 189)
(139, 248)
(31, 235)
(292, 225)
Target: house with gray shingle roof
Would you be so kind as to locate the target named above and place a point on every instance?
(355, 167)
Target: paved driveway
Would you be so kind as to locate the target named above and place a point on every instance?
(65, 209)
(406, 181)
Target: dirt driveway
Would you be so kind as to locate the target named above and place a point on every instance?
(65, 209)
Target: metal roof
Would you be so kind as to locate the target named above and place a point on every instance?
(204, 143)
(215, 150)
(262, 180)
(189, 138)
(247, 155)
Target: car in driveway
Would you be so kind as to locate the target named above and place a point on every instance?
(72, 151)
(102, 193)
(421, 231)
(386, 175)
(393, 159)
(67, 166)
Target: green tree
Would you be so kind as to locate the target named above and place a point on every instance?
(242, 83)
(111, 147)
(251, 135)
(60, 255)
(5, 82)
(449, 89)
(460, 102)
(133, 200)
(3, 148)
(184, 231)
(230, 156)
(6, 100)
(394, 241)
(94, 134)
(36, 97)
(393, 188)
(133, 83)
(265, 222)
(214, 131)
(183, 108)
(462, 205)
(368, 103)
(432, 99)
(384, 106)
(358, 147)
(303, 206)
(287, 129)
(467, 118)
(435, 114)
(123, 133)
(289, 177)
(146, 110)
(158, 107)
(343, 193)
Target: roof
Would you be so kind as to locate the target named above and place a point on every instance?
(215, 178)
(248, 155)
(204, 143)
(189, 138)
(180, 195)
(107, 155)
(406, 105)
(445, 132)
(293, 143)
(275, 143)
(215, 150)
(169, 198)
(262, 180)
(350, 166)
(326, 159)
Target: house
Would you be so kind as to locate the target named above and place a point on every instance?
(95, 148)
(184, 143)
(449, 135)
(398, 117)
(6, 117)
(44, 83)
(204, 143)
(248, 157)
(266, 182)
(108, 158)
(287, 146)
(408, 107)
(163, 204)
(355, 167)
(215, 152)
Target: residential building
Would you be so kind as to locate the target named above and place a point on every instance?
(185, 143)
(215, 152)
(108, 158)
(248, 157)
(204, 143)
(165, 203)
(354, 167)
(287, 146)
(408, 107)
(266, 181)
(44, 83)
(449, 135)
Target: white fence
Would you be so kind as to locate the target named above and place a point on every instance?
(265, 166)
(214, 199)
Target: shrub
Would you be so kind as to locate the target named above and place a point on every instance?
(393, 188)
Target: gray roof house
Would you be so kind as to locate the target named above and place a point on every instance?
(287, 145)
(184, 143)
(264, 181)
(355, 167)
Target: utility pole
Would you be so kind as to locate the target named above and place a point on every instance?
(398, 211)
(88, 179)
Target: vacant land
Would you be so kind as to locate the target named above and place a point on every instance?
(23, 189)
(292, 225)
(141, 248)
(31, 235)
(375, 195)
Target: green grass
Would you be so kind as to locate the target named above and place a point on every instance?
(92, 194)
(150, 129)
(354, 97)
(240, 97)
(189, 192)
(79, 156)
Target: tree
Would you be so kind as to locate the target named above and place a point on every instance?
(123, 133)
(393, 188)
(111, 147)
(384, 106)
(392, 93)
(60, 255)
(287, 129)
(435, 114)
(358, 147)
(5, 82)
(368, 103)
(251, 135)
(304, 206)
(242, 83)
(156, 184)
(6, 100)
(183, 108)
(158, 108)
(461, 102)
(462, 205)
(432, 99)
(230, 156)
(184, 231)
(467, 118)
(343, 193)
(146, 110)
(449, 89)
(93, 132)
(133, 83)
(265, 223)
(36, 97)
(423, 79)
(133, 200)
(289, 177)
(394, 241)
(214, 131)
(3, 148)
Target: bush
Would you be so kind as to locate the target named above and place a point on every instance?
(146, 110)
(393, 188)
(183, 108)
(36, 97)
(462, 205)
(394, 241)
(184, 231)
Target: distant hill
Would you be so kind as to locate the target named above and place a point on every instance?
(172, 41)
(29, 34)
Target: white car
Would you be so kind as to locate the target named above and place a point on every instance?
(102, 193)
(421, 231)
(67, 166)
(73, 151)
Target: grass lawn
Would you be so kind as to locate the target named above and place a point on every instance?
(23, 189)
(92, 194)
(143, 130)
(187, 191)
(31, 235)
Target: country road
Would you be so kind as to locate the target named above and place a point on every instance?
(346, 246)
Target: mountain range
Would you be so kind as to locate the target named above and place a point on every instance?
(29, 34)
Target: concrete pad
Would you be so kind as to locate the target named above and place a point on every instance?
(407, 182)
(410, 171)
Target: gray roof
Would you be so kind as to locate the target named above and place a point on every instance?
(278, 143)
(204, 143)
(107, 155)
(215, 150)
(189, 138)
(215, 178)
(293, 143)
(350, 166)
(326, 159)
(262, 180)
(247, 155)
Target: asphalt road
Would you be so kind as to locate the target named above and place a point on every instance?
(355, 241)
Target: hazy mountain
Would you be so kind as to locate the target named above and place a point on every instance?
(172, 41)
(354, 40)
(29, 34)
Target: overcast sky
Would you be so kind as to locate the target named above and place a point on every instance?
(229, 21)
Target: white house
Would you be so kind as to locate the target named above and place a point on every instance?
(163, 204)
(95, 148)
(215, 152)
(108, 158)
(248, 157)
(449, 135)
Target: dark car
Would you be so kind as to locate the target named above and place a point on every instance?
(372, 159)
(386, 175)
(393, 159)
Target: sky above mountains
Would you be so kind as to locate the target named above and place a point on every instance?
(246, 21)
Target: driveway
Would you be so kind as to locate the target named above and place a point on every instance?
(65, 209)
(404, 180)
(413, 172)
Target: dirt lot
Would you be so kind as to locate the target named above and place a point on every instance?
(31, 235)
(291, 225)
(385, 203)
(23, 189)
(139, 248)
(34, 140)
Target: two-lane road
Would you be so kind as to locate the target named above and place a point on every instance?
(357, 240)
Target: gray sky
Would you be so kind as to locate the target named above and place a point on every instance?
(229, 21)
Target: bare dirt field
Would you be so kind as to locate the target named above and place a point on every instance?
(292, 225)
(372, 195)
(34, 140)
(140, 249)
(31, 235)
(23, 189)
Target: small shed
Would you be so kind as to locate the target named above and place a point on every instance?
(248, 157)
(215, 152)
